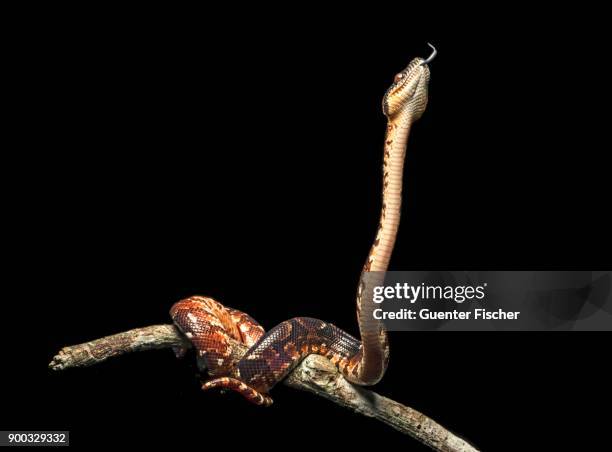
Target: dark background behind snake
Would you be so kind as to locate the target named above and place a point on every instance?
(502, 172)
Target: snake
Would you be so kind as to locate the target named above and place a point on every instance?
(271, 356)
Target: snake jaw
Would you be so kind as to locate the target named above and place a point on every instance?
(408, 91)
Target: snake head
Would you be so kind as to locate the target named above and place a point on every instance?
(408, 93)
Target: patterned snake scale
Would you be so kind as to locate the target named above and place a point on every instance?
(272, 355)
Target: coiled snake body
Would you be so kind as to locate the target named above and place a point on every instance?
(272, 355)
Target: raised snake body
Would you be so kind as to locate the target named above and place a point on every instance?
(272, 355)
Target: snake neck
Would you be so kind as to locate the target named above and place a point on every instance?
(371, 363)
(396, 139)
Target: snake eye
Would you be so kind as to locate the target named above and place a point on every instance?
(398, 77)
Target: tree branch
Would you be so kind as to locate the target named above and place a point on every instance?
(315, 374)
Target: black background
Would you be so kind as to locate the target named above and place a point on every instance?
(166, 157)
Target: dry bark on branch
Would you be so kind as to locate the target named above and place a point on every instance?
(315, 374)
